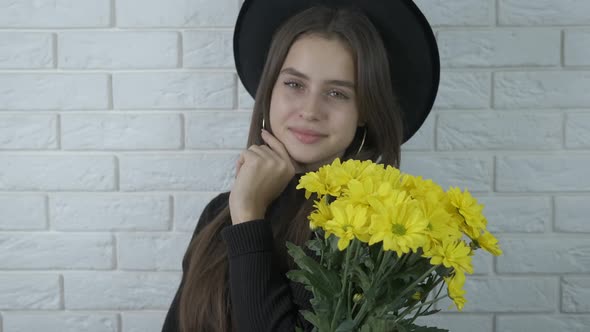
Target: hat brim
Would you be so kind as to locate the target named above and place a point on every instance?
(407, 36)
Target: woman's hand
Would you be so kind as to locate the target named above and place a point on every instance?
(262, 173)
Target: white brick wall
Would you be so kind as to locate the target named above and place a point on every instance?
(110, 147)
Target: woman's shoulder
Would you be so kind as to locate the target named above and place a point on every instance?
(212, 208)
(209, 212)
(218, 202)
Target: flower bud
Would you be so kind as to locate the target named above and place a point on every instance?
(417, 296)
(357, 298)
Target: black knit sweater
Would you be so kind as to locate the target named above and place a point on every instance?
(262, 297)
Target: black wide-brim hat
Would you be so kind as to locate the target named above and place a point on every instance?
(406, 34)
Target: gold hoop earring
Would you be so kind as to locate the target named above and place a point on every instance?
(363, 141)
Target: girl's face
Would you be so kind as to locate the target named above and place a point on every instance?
(313, 104)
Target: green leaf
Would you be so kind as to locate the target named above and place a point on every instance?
(365, 328)
(313, 274)
(315, 245)
(430, 312)
(309, 264)
(362, 277)
(299, 276)
(311, 317)
(333, 242)
(373, 324)
(332, 256)
(316, 320)
(389, 306)
(369, 263)
(428, 329)
(417, 328)
(345, 326)
(315, 281)
(299, 256)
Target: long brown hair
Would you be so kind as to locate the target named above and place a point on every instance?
(204, 300)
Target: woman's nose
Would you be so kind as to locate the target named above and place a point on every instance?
(312, 108)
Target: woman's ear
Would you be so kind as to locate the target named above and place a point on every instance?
(362, 121)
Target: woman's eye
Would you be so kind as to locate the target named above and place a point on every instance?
(338, 94)
(292, 84)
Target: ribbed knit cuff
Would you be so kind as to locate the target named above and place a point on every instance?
(248, 237)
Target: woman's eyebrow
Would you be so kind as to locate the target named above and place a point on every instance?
(295, 72)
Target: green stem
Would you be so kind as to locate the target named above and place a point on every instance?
(398, 262)
(321, 251)
(401, 316)
(342, 291)
(361, 315)
(348, 296)
(402, 262)
(383, 266)
(329, 248)
(379, 256)
(382, 260)
(417, 281)
(436, 296)
(354, 307)
(356, 245)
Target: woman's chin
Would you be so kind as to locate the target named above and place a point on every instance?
(303, 160)
(308, 157)
(308, 164)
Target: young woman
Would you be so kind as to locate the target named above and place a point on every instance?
(329, 81)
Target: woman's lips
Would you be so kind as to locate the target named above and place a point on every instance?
(306, 138)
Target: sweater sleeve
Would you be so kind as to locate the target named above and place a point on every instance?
(211, 209)
(260, 294)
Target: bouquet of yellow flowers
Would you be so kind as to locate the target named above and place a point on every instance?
(384, 241)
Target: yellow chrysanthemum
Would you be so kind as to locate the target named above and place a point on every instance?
(323, 182)
(376, 203)
(400, 224)
(349, 222)
(440, 226)
(384, 194)
(357, 191)
(470, 210)
(313, 183)
(420, 188)
(489, 243)
(393, 176)
(359, 170)
(320, 215)
(409, 182)
(368, 193)
(337, 175)
(455, 254)
(455, 289)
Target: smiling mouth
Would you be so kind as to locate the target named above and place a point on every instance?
(306, 138)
